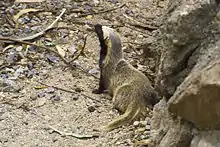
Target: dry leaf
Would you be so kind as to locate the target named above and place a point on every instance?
(89, 17)
(24, 11)
(29, 1)
(60, 51)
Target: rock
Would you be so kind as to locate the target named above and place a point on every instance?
(146, 132)
(167, 131)
(75, 97)
(93, 71)
(78, 89)
(178, 135)
(197, 98)
(91, 108)
(50, 90)
(148, 120)
(143, 123)
(206, 139)
(55, 97)
(147, 127)
(41, 94)
(189, 87)
(136, 123)
(186, 27)
(139, 130)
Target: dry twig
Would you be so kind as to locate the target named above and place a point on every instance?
(69, 91)
(45, 30)
(79, 136)
(81, 51)
(139, 24)
(100, 12)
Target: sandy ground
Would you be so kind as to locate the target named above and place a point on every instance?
(43, 116)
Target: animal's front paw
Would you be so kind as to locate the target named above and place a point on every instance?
(97, 91)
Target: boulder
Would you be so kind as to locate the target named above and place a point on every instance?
(167, 131)
(197, 99)
(186, 27)
(206, 139)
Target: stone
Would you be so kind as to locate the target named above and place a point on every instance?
(147, 127)
(185, 28)
(143, 123)
(136, 123)
(148, 120)
(206, 139)
(197, 98)
(167, 131)
(91, 108)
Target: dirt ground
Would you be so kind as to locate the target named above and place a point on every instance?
(32, 114)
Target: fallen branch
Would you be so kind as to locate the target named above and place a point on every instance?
(100, 12)
(69, 91)
(78, 136)
(139, 24)
(45, 30)
(81, 51)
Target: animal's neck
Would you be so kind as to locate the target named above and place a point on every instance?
(121, 64)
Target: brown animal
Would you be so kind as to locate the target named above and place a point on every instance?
(131, 90)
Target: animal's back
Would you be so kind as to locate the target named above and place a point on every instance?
(134, 87)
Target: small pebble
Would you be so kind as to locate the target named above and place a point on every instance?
(78, 89)
(136, 123)
(139, 130)
(55, 97)
(144, 136)
(93, 71)
(146, 133)
(147, 127)
(75, 74)
(91, 108)
(50, 90)
(75, 97)
(33, 97)
(148, 120)
(142, 123)
(41, 94)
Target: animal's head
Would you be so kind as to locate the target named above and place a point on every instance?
(110, 43)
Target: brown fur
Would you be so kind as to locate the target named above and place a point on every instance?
(131, 90)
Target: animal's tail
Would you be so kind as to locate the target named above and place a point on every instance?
(129, 115)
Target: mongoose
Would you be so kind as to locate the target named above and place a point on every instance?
(131, 90)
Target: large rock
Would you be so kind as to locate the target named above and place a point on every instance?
(168, 131)
(197, 99)
(186, 26)
(206, 139)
